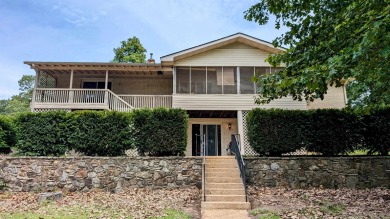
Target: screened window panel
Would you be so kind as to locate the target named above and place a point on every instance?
(261, 71)
(265, 70)
(246, 83)
(229, 80)
(183, 80)
(214, 80)
(273, 70)
(198, 80)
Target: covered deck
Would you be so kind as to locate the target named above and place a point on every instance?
(100, 86)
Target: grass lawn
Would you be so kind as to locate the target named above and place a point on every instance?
(358, 152)
(76, 212)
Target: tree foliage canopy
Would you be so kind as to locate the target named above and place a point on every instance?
(21, 102)
(329, 41)
(26, 86)
(130, 51)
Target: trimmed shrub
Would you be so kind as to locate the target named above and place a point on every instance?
(377, 131)
(100, 133)
(7, 134)
(160, 132)
(42, 134)
(333, 132)
(276, 131)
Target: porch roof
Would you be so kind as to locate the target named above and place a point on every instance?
(87, 67)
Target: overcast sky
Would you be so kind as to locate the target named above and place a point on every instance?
(88, 30)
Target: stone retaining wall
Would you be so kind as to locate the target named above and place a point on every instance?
(111, 174)
(326, 172)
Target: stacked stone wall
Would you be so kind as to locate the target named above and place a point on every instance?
(317, 172)
(114, 174)
(110, 174)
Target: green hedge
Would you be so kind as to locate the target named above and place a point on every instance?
(333, 132)
(43, 134)
(276, 131)
(160, 132)
(100, 133)
(7, 134)
(328, 132)
(377, 131)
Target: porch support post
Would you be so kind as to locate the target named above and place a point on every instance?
(254, 84)
(345, 93)
(32, 105)
(206, 81)
(238, 80)
(222, 79)
(240, 123)
(105, 89)
(71, 79)
(174, 79)
(106, 81)
(71, 92)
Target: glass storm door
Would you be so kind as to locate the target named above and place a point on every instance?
(208, 134)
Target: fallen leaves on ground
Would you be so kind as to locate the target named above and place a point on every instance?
(133, 203)
(322, 203)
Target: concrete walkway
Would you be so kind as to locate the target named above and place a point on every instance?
(225, 214)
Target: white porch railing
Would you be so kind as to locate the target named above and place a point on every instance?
(117, 104)
(58, 98)
(62, 98)
(148, 101)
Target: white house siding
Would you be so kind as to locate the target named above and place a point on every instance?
(236, 54)
(335, 98)
(225, 132)
(229, 102)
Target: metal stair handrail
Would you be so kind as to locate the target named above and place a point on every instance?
(235, 149)
(204, 167)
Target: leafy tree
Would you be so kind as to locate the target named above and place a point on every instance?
(26, 87)
(20, 102)
(329, 41)
(130, 51)
(16, 105)
(3, 105)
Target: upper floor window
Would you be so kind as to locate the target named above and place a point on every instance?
(218, 80)
(183, 80)
(206, 80)
(198, 80)
(264, 70)
(247, 86)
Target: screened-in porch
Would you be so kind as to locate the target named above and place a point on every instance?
(106, 86)
(218, 80)
(222, 88)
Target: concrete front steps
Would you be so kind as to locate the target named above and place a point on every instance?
(224, 188)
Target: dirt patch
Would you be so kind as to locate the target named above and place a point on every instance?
(134, 203)
(321, 203)
(147, 203)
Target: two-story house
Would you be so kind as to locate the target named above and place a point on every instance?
(211, 81)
